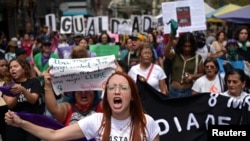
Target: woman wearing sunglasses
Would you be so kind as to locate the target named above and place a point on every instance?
(211, 80)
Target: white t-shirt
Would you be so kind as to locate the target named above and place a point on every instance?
(120, 129)
(204, 51)
(242, 95)
(153, 80)
(202, 84)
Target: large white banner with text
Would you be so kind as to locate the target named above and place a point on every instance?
(81, 74)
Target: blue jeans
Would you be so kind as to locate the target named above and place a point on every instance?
(177, 93)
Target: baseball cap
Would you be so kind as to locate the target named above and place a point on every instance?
(12, 43)
(20, 51)
(14, 39)
(46, 42)
(138, 36)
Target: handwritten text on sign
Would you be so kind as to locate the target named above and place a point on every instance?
(81, 74)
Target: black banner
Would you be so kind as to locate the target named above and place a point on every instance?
(188, 118)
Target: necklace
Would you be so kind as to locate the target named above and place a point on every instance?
(125, 127)
(121, 125)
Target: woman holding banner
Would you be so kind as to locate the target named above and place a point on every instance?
(235, 80)
(74, 107)
(25, 96)
(153, 73)
(211, 81)
(122, 117)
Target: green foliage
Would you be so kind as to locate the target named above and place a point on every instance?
(219, 3)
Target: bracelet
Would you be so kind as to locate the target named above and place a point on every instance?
(48, 89)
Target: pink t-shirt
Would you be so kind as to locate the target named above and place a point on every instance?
(27, 46)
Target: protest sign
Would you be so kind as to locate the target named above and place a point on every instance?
(114, 37)
(65, 52)
(105, 49)
(190, 15)
(81, 74)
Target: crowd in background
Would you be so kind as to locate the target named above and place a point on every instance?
(192, 63)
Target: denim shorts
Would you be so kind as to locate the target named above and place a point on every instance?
(177, 93)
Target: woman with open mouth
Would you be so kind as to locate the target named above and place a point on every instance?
(123, 117)
(25, 96)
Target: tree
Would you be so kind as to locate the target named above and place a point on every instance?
(219, 3)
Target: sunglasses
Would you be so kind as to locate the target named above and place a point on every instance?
(209, 66)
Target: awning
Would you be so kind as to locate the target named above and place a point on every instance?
(73, 13)
(237, 16)
(222, 10)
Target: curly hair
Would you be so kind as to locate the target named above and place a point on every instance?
(25, 65)
(186, 37)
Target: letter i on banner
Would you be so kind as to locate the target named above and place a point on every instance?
(66, 25)
(50, 20)
(78, 24)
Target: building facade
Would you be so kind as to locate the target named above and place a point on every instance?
(27, 16)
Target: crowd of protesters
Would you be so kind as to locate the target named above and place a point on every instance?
(175, 66)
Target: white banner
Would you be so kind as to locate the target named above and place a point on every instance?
(81, 74)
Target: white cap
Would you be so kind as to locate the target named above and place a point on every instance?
(14, 39)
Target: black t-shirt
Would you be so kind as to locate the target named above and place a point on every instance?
(33, 86)
(131, 59)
